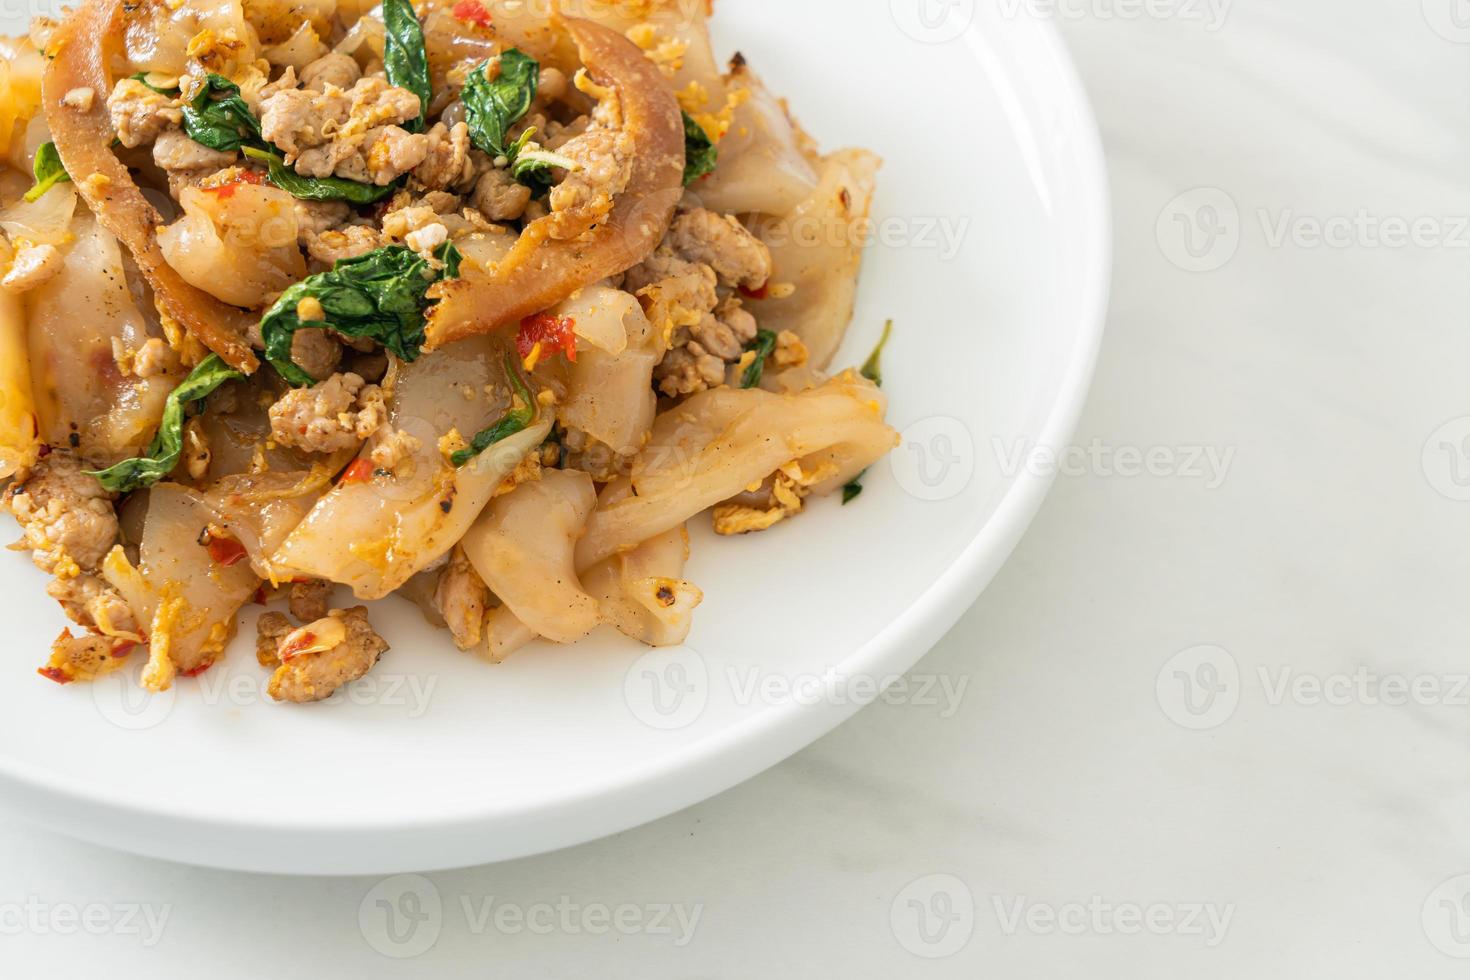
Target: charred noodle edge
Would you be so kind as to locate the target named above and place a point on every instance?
(540, 272)
(84, 138)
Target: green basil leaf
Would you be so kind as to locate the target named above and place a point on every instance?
(535, 174)
(510, 423)
(763, 344)
(380, 296)
(872, 370)
(492, 108)
(48, 170)
(873, 366)
(532, 168)
(531, 171)
(217, 117)
(317, 188)
(168, 444)
(451, 258)
(405, 59)
(700, 154)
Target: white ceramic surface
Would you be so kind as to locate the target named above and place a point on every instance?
(992, 258)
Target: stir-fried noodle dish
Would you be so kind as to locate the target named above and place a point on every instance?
(476, 302)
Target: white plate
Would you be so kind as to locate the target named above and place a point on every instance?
(439, 760)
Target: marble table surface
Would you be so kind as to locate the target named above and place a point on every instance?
(1210, 721)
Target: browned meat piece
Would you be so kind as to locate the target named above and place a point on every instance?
(447, 163)
(175, 151)
(722, 243)
(309, 599)
(347, 242)
(352, 134)
(321, 657)
(332, 69)
(604, 167)
(270, 629)
(701, 353)
(66, 516)
(336, 414)
(139, 114)
(499, 196)
(461, 597)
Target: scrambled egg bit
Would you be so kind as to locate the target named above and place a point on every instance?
(786, 489)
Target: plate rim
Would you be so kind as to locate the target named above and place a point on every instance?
(688, 774)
